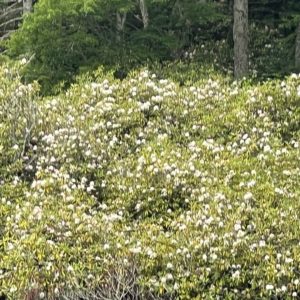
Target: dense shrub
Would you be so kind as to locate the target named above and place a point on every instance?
(175, 192)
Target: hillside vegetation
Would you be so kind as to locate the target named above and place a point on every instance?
(149, 189)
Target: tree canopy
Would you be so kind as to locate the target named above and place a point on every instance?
(63, 38)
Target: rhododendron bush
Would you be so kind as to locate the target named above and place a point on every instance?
(144, 188)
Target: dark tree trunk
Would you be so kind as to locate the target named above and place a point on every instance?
(240, 37)
(297, 49)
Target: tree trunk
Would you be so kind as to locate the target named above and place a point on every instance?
(121, 19)
(240, 37)
(144, 12)
(27, 6)
(230, 28)
(230, 7)
(297, 49)
(177, 9)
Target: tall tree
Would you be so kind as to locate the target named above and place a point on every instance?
(144, 12)
(297, 48)
(241, 38)
(121, 19)
(27, 6)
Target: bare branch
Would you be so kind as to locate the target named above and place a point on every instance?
(10, 21)
(11, 11)
(6, 35)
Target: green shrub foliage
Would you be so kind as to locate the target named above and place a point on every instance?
(174, 192)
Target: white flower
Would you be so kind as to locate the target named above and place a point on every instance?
(169, 266)
(106, 246)
(236, 274)
(262, 243)
(251, 183)
(269, 287)
(279, 191)
(289, 260)
(169, 276)
(50, 242)
(70, 269)
(214, 256)
(145, 106)
(237, 226)
(283, 288)
(136, 250)
(248, 196)
(88, 153)
(10, 246)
